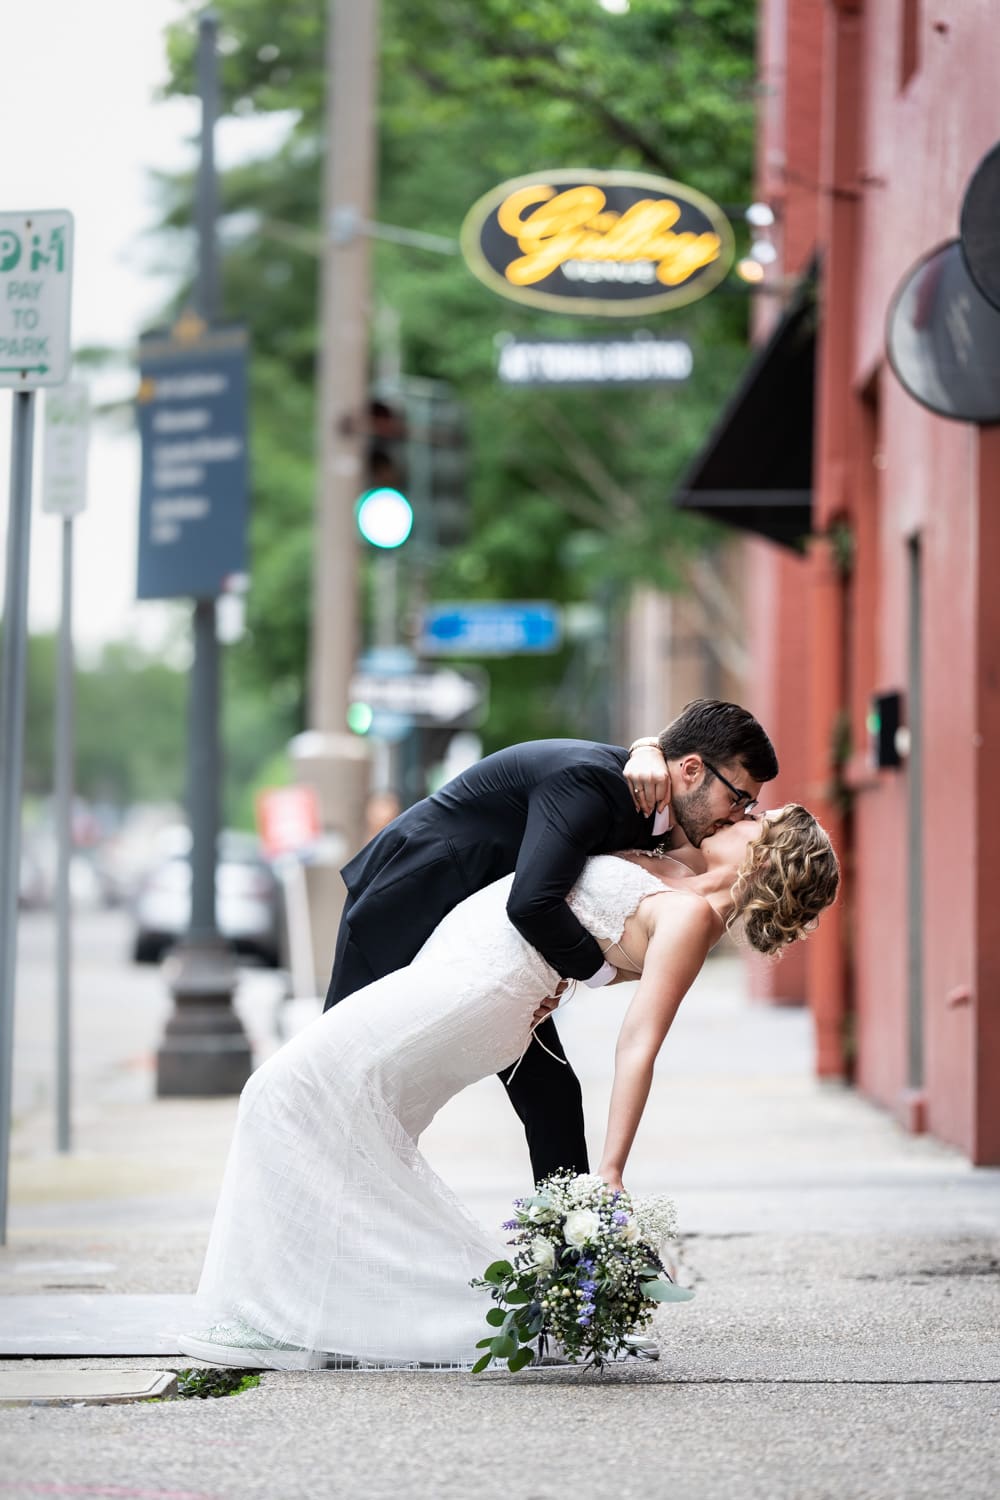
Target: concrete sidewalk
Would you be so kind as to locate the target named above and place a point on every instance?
(845, 1340)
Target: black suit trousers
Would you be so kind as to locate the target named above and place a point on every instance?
(546, 1094)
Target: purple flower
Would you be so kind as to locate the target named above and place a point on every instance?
(583, 1322)
(619, 1216)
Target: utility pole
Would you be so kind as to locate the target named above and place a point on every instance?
(329, 758)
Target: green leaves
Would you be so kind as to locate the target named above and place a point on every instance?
(665, 1291)
(498, 1271)
(495, 1317)
(472, 94)
(520, 1359)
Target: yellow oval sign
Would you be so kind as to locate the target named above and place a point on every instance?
(605, 244)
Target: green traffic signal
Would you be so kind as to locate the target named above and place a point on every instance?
(385, 517)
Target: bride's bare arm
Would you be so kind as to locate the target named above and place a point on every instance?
(683, 929)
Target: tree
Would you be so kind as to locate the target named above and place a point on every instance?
(473, 92)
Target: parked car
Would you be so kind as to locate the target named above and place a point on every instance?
(247, 899)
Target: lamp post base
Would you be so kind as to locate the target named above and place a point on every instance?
(205, 1050)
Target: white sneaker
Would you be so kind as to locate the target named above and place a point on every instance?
(236, 1343)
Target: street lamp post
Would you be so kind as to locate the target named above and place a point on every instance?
(204, 1050)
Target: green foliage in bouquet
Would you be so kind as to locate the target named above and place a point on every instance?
(586, 1271)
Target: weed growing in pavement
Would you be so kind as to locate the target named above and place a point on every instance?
(208, 1383)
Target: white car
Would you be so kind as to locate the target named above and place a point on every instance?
(247, 900)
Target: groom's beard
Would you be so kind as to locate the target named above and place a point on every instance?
(693, 815)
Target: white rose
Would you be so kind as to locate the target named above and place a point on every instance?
(544, 1253)
(581, 1226)
(541, 1213)
(630, 1232)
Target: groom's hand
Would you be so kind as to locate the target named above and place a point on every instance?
(548, 1005)
(648, 779)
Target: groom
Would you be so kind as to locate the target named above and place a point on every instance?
(540, 809)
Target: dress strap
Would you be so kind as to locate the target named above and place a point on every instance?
(532, 1037)
(623, 950)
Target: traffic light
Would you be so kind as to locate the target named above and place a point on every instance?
(385, 517)
(385, 462)
(450, 509)
(418, 446)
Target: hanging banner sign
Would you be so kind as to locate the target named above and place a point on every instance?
(603, 244)
(192, 411)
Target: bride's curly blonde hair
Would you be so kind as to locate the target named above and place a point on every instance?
(788, 876)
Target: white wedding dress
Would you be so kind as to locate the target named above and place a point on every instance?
(332, 1232)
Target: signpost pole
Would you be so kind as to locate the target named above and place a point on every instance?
(64, 493)
(36, 281)
(12, 701)
(64, 754)
(204, 1049)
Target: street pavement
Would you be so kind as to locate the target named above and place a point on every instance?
(844, 1340)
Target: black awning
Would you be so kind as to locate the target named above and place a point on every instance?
(756, 469)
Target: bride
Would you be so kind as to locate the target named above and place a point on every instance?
(333, 1240)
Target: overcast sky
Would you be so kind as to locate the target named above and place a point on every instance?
(81, 129)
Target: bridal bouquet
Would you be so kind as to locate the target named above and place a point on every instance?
(586, 1271)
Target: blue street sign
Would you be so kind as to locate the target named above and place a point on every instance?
(192, 409)
(490, 628)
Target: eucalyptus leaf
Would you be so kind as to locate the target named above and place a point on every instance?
(481, 1364)
(517, 1298)
(503, 1347)
(498, 1271)
(520, 1359)
(486, 1343)
(665, 1291)
(495, 1317)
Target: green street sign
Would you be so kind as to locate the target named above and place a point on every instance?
(36, 280)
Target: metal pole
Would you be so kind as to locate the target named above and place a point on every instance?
(13, 672)
(385, 615)
(64, 754)
(203, 735)
(204, 1050)
(386, 597)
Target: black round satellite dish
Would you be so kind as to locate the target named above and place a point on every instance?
(979, 226)
(943, 338)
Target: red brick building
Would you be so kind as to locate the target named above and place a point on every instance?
(874, 115)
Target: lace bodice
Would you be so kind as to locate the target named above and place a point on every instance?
(478, 931)
(608, 892)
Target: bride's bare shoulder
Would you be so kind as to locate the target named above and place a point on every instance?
(675, 911)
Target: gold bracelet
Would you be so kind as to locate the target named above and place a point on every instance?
(649, 739)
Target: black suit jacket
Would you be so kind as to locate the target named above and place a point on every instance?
(539, 808)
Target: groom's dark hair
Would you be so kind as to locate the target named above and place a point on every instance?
(722, 733)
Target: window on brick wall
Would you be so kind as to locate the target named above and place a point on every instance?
(909, 39)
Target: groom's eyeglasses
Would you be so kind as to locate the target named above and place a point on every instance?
(741, 798)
